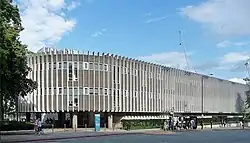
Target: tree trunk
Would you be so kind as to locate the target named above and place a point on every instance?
(2, 108)
(16, 100)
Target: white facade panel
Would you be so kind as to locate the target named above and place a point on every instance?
(126, 85)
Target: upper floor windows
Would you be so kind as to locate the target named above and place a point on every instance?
(96, 66)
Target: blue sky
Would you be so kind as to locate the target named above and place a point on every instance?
(216, 32)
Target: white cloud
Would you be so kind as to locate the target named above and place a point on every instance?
(44, 22)
(225, 43)
(234, 57)
(234, 62)
(73, 5)
(99, 33)
(156, 19)
(238, 80)
(172, 59)
(225, 17)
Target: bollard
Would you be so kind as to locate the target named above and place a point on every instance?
(75, 128)
(52, 127)
(85, 127)
(64, 127)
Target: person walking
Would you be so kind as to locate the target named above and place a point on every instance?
(39, 124)
(36, 126)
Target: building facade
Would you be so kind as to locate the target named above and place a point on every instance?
(92, 82)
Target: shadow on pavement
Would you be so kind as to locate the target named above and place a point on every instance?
(16, 133)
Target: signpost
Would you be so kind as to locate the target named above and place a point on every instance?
(97, 122)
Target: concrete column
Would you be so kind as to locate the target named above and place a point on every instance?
(42, 117)
(110, 121)
(91, 119)
(74, 121)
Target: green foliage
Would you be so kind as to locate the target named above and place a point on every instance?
(14, 125)
(248, 93)
(13, 59)
(142, 124)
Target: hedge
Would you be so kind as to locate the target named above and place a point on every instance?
(15, 125)
(142, 124)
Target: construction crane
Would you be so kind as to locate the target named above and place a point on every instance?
(182, 44)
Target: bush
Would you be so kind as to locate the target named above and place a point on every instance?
(142, 124)
(15, 125)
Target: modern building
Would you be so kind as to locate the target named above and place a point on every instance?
(121, 88)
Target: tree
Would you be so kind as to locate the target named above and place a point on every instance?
(248, 92)
(13, 59)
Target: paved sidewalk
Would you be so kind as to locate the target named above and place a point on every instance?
(60, 134)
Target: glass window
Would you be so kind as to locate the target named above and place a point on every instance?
(70, 91)
(96, 66)
(91, 66)
(70, 66)
(86, 91)
(86, 66)
(75, 91)
(101, 67)
(59, 65)
(54, 65)
(49, 91)
(70, 103)
(80, 91)
(49, 65)
(96, 90)
(91, 91)
(106, 91)
(75, 65)
(70, 71)
(75, 75)
(59, 90)
(64, 65)
(101, 91)
(80, 65)
(106, 67)
(76, 100)
(65, 91)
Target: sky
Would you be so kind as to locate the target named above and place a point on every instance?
(214, 33)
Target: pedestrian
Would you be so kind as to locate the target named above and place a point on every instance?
(36, 126)
(243, 124)
(211, 123)
(167, 124)
(39, 126)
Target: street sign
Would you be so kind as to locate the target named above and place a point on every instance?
(97, 122)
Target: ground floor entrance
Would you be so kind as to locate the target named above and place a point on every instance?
(73, 119)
